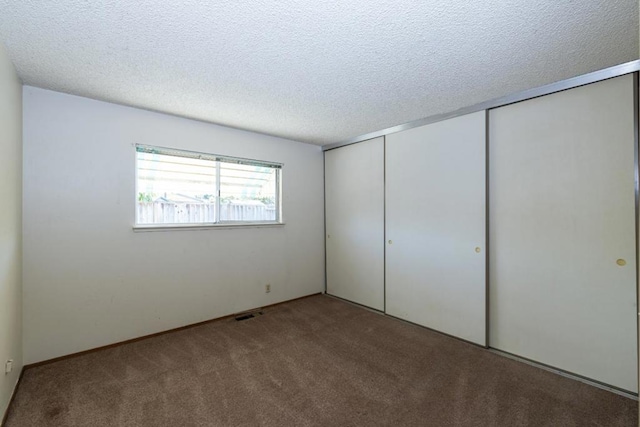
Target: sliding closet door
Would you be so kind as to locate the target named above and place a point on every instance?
(354, 199)
(436, 228)
(562, 231)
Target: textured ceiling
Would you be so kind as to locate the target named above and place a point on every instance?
(311, 70)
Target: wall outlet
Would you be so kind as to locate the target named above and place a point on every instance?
(8, 367)
(267, 288)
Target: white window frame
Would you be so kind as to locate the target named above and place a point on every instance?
(218, 159)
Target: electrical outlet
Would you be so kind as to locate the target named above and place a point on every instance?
(267, 288)
(8, 367)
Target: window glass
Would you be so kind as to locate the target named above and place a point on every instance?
(181, 187)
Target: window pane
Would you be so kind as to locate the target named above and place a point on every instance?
(185, 187)
(175, 190)
(247, 193)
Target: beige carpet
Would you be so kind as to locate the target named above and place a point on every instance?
(311, 362)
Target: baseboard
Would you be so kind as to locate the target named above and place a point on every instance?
(168, 331)
(13, 395)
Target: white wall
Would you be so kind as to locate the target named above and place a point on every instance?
(89, 280)
(10, 227)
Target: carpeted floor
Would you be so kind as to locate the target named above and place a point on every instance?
(316, 361)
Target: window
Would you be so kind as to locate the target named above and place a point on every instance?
(176, 187)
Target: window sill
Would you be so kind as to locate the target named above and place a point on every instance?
(193, 227)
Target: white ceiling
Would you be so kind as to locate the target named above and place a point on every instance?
(311, 70)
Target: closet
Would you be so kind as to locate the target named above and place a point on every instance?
(563, 231)
(435, 219)
(354, 212)
(513, 228)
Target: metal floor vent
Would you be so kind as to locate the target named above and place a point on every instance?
(248, 315)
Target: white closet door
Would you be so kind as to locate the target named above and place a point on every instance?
(562, 220)
(436, 227)
(354, 199)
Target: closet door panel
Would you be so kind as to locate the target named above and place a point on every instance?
(436, 227)
(562, 231)
(354, 203)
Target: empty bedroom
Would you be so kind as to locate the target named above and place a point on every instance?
(299, 213)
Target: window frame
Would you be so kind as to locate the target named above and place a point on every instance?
(218, 159)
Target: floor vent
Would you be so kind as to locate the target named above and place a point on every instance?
(249, 315)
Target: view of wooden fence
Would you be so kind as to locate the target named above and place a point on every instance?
(184, 213)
